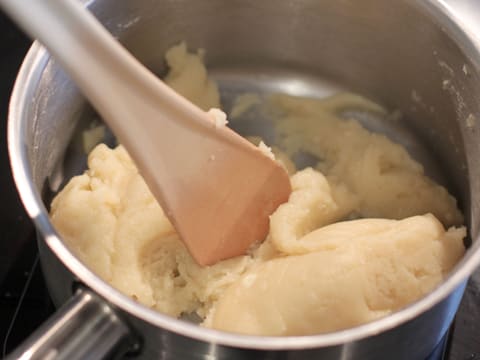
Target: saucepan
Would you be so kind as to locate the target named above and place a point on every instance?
(417, 57)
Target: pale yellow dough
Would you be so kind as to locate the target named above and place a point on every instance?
(379, 174)
(355, 272)
(316, 271)
(188, 77)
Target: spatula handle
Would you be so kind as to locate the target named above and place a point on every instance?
(96, 61)
(146, 116)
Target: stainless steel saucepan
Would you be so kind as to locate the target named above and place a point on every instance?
(420, 57)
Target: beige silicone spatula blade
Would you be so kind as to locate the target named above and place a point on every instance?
(217, 188)
(226, 206)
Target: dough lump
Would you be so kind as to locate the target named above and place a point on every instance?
(188, 77)
(380, 174)
(359, 271)
(317, 270)
(112, 222)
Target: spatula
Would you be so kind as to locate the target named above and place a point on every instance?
(216, 188)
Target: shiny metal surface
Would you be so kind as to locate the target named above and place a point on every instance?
(68, 335)
(408, 55)
(464, 342)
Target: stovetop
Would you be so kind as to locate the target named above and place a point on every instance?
(24, 299)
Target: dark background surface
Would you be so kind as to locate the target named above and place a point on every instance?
(18, 250)
(21, 280)
(13, 46)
